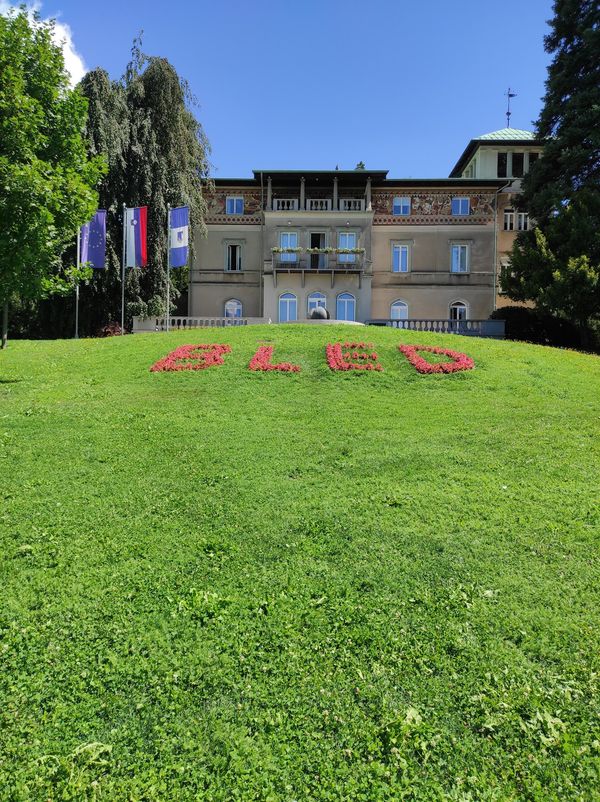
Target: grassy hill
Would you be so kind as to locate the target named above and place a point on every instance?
(223, 585)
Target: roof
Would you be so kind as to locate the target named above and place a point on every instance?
(510, 134)
(378, 179)
(505, 136)
(347, 177)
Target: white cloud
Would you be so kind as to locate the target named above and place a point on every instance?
(63, 37)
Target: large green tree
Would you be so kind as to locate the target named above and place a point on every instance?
(157, 154)
(47, 178)
(166, 163)
(557, 264)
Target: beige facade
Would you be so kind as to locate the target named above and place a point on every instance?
(360, 244)
(508, 155)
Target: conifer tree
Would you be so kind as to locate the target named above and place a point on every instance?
(557, 264)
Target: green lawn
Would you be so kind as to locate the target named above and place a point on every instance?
(224, 585)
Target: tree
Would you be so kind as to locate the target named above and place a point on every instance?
(156, 152)
(166, 162)
(47, 179)
(557, 264)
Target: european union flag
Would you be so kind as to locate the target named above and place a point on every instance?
(178, 236)
(93, 241)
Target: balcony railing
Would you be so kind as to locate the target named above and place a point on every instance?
(469, 328)
(319, 261)
(285, 204)
(351, 205)
(174, 323)
(318, 205)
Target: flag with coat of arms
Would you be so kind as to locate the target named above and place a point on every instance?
(179, 221)
(136, 224)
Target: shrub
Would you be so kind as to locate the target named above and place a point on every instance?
(523, 323)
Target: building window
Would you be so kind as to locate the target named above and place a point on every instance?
(347, 240)
(533, 157)
(288, 307)
(504, 271)
(522, 221)
(459, 258)
(233, 256)
(458, 311)
(233, 308)
(502, 165)
(471, 170)
(288, 239)
(460, 206)
(509, 220)
(399, 310)
(400, 257)
(316, 299)
(234, 204)
(346, 307)
(401, 206)
(517, 165)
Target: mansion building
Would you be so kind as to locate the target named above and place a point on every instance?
(363, 245)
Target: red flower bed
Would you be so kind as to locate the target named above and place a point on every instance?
(459, 361)
(352, 356)
(262, 361)
(192, 357)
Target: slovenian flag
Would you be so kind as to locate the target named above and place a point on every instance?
(135, 237)
(92, 249)
(179, 222)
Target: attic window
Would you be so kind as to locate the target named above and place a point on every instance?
(502, 165)
(517, 165)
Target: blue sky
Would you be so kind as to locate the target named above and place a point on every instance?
(399, 85)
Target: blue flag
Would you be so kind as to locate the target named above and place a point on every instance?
(93, 241)
(179, 222)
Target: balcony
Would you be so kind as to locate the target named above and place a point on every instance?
(316, 264)
(344, 205)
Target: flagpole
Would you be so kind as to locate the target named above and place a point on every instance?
(168, 313)
(123, 276)
(77, 285)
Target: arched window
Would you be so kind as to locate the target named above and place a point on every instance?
(233, 308)
(316, 299)
(399, 310)
(288, 308)
(458, 311)
(346, 306)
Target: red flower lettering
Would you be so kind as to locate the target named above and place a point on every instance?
(262, 361)
(192, 357)
(352, 356)
(459, 361)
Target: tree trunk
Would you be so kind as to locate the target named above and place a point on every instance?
(4, 324)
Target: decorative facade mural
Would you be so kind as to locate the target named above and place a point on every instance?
(216, 206)
(431, 208)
